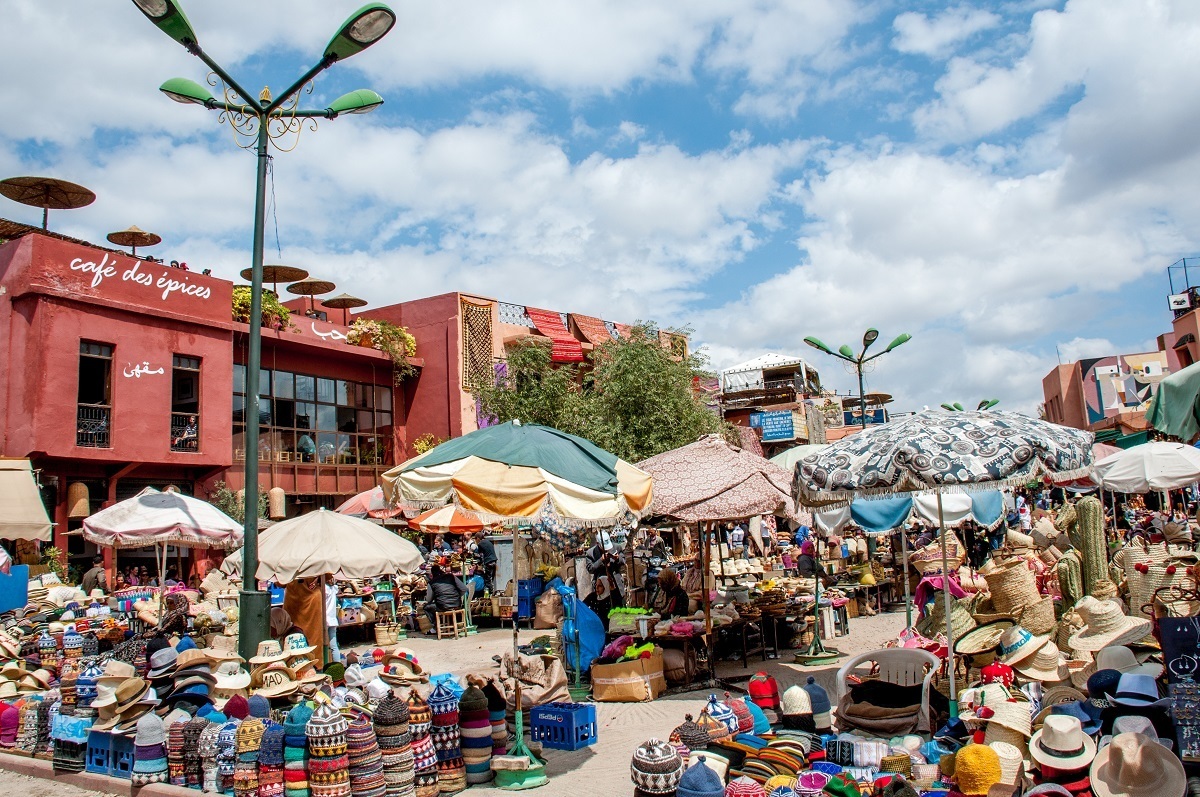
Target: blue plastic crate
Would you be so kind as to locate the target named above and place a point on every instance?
(526, 607)
(531, 587)
(122, 757)
(99, 753)
(564, 726)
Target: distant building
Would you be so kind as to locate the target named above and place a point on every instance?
(768, 394)
(1106, 395)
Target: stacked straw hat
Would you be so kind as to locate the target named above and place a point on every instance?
(452, 770)
(149, 751)
(395, 744)
(497, 707)
(1047, 665)
(328, 761)
(1012, 723)
(1018, 644)
(475, 730)
(270, 761)
(1106, 624)
(295, 751)
(366, 761)
(425, 760)
(656, 768)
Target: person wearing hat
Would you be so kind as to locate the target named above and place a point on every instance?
(1131, 766)
(605, 566)
(1063, 754)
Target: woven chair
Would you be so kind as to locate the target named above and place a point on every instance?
(900, 666)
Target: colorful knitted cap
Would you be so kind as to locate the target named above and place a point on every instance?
(744, 787)
(259, 707)
(745, 720)
(818, 698)
(393, 711)
(326, 721)
(764, 690)
(418, 710)
(721, 712)
(473, 699)
(249, 735)
(692, 735)
(761, 723)
(270, 752)
(716, 730)
(296, 721)
(442, 700)
(237, 707)
(656, 767)
(699, 780)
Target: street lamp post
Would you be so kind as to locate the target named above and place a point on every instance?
(261, 121)
(860, 360)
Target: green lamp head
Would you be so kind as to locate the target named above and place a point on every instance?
(847, 352)
(987, 404)
(169, 18)
(899, 341)
(869, 337)
(187, 91)
(947, 406)
(363, 28)
(357, 101)
(816, 344)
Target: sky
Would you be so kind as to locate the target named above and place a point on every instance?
(1007, 182)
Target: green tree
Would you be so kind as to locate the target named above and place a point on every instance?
(634, 397)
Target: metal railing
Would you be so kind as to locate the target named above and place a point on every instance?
(92, 425)
(185, 433)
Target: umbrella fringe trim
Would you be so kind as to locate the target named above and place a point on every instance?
(518, 521)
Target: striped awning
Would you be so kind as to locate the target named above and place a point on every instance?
(566, 349)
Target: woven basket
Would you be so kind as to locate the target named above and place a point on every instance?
(386, 634)
(1143, 586)
(1012, 587)
(1038, 618)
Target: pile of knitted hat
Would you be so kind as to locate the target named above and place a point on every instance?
(85, 686)
(497, 706)
(295, 751)
(452, 770)
(366, 762)
(192, 767)
(209, 748)
(395, 743)
(270, 761)
(328, 762)
(475, 728)
(149, 751)
(245, 768)
(175, 723)
(227, 754)
(420, 723)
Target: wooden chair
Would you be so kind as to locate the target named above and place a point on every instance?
(451, 624)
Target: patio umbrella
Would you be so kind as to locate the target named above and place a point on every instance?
(938, 451)
(788, 459)
(1150, 467)
(276, 273)
(133, 237)
(310, 287)
(446, 520)
(22, 513)
(46, 193)
(343, 302)
(1175, 408)
(368, 503)
(325, 543)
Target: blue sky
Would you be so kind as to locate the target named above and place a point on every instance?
(1005, 181)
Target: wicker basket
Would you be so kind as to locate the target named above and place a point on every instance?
(387, 634)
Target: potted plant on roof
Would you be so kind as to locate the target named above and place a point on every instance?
(391, 339)
(274, 314)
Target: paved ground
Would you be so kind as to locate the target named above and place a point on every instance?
(602, 769)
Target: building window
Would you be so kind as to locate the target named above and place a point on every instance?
(185, 403)
(93, 419)
(312, 419)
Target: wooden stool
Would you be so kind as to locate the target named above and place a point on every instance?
(452, 624)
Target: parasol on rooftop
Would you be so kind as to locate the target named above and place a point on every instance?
(133, 237)
(275, 274)
(343, 302)
(46, 193)
(310, 287)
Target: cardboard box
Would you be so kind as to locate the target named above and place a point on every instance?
(630, 681)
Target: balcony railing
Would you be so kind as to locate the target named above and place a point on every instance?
(185, 432)
(92, 425)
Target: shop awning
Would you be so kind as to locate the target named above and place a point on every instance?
(565, 348)
(592, 328)
(22, 513)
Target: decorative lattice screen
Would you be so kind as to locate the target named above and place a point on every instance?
(477, 344)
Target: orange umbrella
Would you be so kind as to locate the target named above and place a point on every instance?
(447, 520)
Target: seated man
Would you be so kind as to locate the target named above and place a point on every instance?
(444, 594)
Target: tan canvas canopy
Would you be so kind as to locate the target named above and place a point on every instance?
(325, 543)
(22, 514)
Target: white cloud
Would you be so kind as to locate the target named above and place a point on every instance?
(938, 35)
(1078, 348)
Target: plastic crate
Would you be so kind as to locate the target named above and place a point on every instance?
(526, 607)
(564, 726)
(122, 757)
(531, 587)
(99, 753)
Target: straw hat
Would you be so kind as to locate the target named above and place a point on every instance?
(961, 621)
(1018, 644)
(278, 681)
(1047, 664)
(1039, 617)
(115, 673)
(1129, 767)
(1013, 716)
(223, 648)
(130, 692)
(983, 638)
(8, 689)
(1061, 694)
(268, 651)
(1105, 624)
(1062, 744)
(1123, 660)
(1010, 762)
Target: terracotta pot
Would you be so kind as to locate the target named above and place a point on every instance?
(366, 340)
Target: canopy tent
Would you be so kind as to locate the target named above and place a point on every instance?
(170, 518)
(943, 452)
(881, 515)
(749, 375)
(1175, 408)
(1150, 467)
(369, 503)
(788, 459)
(712, 480)
(22, 513)
(508, 472)
(325, 543)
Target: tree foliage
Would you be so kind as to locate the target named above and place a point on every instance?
(633, 397)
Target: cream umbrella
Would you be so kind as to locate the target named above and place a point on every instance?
(325, 543)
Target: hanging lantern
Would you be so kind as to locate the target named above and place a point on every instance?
(277, 500)
(79, 503)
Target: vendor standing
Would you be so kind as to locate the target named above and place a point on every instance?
(487, 561)
(604, 565)
(94, 578)
(304, 606)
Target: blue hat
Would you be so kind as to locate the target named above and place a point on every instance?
(817, 696)
(954, 729)
(1102, 683)
(761, 723)
(700, 781)
(185, 644)
(1087, 714)
(1135, 689)
(260, 707)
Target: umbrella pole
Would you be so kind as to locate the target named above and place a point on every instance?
(907, 584)
(324, 627)
(706, 598)
(516, 614)
(946, 598)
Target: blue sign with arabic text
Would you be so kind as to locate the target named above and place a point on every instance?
(775, 425)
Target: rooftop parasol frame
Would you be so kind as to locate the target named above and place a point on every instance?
(133, 237)
(310, 287)
(47, 193)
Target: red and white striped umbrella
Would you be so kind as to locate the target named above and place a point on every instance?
(447, 520)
